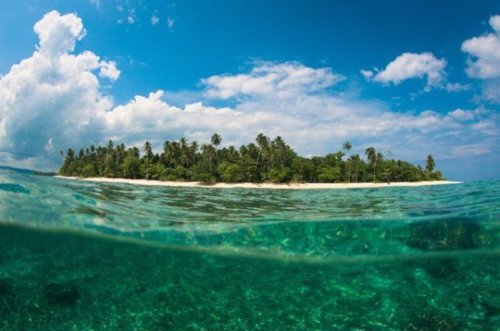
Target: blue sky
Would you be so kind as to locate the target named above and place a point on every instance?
(409, 78)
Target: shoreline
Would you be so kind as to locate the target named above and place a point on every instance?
(291, 186)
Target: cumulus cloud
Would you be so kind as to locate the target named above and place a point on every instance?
(463, 115)
(276, 80)
(485, 53)
(58, 34)
(52, 98)
(367, 74)
(109, 70)
(411, 65)
(484, 59)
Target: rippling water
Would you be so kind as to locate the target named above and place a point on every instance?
(88, 256)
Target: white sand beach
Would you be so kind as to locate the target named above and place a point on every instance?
(292, 186)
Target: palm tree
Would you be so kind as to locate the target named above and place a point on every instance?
(184, 152)
(430, 164)
(278, 151)
(346, 146)
(355, 164)
(167, 153)
(148, 150)
(183, 142)
(372, 155)
(193, 149)
(232, 154)
(216, 139)
(110, 145)
(208, 151)
(263, 143)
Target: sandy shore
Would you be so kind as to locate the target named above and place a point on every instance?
(295, 186)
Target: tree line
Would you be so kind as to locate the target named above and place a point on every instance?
(265, 160)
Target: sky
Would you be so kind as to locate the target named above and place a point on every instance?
(410, 78)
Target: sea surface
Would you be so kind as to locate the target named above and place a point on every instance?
(79, 255)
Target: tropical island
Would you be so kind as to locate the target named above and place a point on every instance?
(263, 161)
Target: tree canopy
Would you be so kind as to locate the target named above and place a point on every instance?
(265, 160)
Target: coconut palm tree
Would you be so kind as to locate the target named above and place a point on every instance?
(346, 146)
(263, 143)
(216, 139)
(208, 151)
(148, 155)
(372, 156)
(193, 149)
(430, 164)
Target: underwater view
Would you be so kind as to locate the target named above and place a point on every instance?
(79, 255)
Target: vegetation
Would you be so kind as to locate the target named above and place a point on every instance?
(264, 160)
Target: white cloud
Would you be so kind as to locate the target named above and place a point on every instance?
(96, 3)
(131, 18)
(170, 22)
(470, 150)
(155, 20)
(275, 80)
(367, 74)
(487, 127)
(411, 65)
(495, 23)
(484, 52)
(109, 70)
(51, 99)
(484, 60)
(462, 115)
(456, 87)
(58, 34)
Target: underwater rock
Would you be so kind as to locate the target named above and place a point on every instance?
(440, 268)
(162, 297)
(433, 322)
(490, 307)
(166, 322)
(443, 234)
(6, 297)
(6, 288)
(63, 294)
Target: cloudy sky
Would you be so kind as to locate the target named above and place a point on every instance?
(409, 78)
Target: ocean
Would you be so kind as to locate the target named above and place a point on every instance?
(80, 255)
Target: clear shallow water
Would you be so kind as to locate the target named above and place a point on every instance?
(81, 255)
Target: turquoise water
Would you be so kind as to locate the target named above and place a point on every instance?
(87, 256)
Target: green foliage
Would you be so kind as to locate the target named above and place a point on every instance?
(265, 160)
(131, 167)
(231, 172)
(330, 175)
(279, 175)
